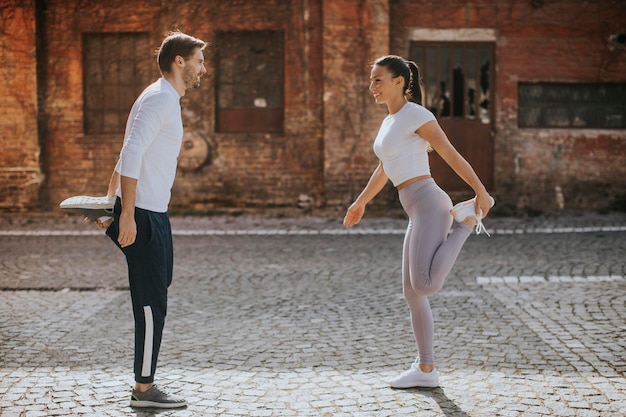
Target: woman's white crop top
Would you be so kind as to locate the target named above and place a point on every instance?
(403, 153)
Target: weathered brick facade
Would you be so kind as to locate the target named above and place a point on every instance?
(20, 168)
(329, 118)
(557, 41)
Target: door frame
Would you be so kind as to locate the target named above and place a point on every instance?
(478, 145)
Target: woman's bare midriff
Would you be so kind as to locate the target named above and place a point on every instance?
(412, 180)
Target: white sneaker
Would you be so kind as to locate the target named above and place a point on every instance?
(415, 377)
(467, 209)
(88, 206)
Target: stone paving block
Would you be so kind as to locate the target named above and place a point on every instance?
(314, 325)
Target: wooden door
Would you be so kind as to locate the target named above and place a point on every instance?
(458, 81)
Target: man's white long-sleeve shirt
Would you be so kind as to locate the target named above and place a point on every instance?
(152, 141)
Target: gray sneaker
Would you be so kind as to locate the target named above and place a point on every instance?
(155, 398)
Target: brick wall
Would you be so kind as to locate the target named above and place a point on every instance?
(20, 172)
(239, 169)
(355, 34)
(541, 169)
(325, 151)
(563, 41)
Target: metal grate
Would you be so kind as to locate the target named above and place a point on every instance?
(568, 105)
(250, 81)
(456, 78)
(116, 68)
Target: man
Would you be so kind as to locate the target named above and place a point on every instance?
(141, 184)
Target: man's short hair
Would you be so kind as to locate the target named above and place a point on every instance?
(177, 43)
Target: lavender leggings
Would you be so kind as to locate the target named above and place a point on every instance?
(429, 253)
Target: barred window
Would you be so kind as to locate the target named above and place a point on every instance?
(250, 81)
(567, 105)
(116, 68)
(456, 78)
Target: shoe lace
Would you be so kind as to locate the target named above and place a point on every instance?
(480, 227)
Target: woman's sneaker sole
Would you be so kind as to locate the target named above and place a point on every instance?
(467, 209)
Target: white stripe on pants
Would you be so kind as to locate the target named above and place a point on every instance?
(146, 367)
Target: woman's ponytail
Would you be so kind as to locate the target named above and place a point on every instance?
(415, 89)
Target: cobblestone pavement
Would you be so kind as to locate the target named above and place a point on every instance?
(284, 317)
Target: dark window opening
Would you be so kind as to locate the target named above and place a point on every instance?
(116, 68)
(567, 105)
(250, 82)
(456, 79)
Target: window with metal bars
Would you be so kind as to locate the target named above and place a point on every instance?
(250, 81)
(456, 78)
(569, 105)
(116, 68)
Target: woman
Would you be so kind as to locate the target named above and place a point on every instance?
(430, 247)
